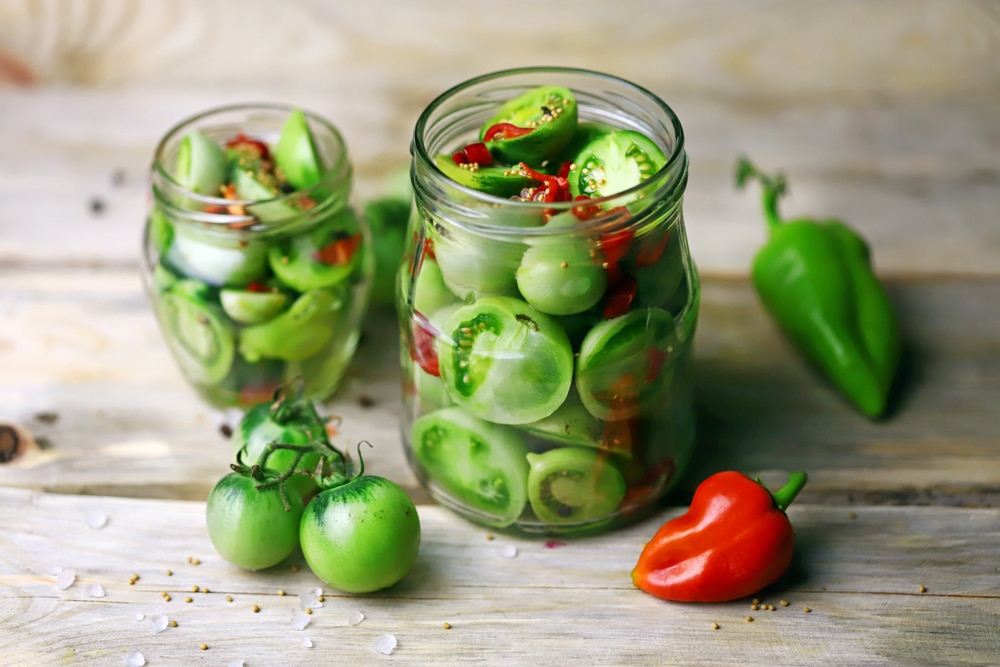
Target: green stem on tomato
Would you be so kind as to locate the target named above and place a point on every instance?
(784, 496)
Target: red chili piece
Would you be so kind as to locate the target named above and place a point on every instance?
(476, 153)
(242, 140)
(734, 540)
(257, 286)
(620, 298)
(339, 251)
(650, 253)
(422, 351)
(502, 131)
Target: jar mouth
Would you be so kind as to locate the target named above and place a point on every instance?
(637, 107)
(258, 120)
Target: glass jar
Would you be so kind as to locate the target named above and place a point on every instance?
(257, 267)
(546, 345)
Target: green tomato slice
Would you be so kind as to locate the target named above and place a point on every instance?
(613, 163)
(560, 276)
(572, 424)
(504, 361)
(201, 164)
(200, 338)
(625, 367)
(295, 153)
(308, 261)
(574, 486)
(217, 261)
(299, 332)
(551, 114)
(499, 181)
(269, 205)
(248, 307)
(480, 464)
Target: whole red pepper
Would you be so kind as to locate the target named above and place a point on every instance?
(734, 540)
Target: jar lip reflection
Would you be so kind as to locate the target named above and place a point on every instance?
(334, 186)
(667, 183)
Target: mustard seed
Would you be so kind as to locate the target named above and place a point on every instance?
(194, 589)
(749, 619)
(188, 599)
(173, 623)
(204, 647)
(784, 603)
(715, 626)
(754, 607)
(256, 608)
(446, 625)
(923, 589)
(807, 610)
(229, 598)
(281, 591)
(170, 573)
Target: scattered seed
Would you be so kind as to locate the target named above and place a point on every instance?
(446, 625)
(753, 607)
(204, 647)
(204, 590)
(770, 607)
(281, 591)
(852, 515)
(96, 205)
(229, 598)
(807, 610)
(366, 401)
(194, 561)
(749, 619)
(188, 599)
(226, 430)
(755, 601)
(321, 598)
(784, 603)
(715, 626)
(170, 573)
(489, 537)
(922, 589)
(295, 568)
(256, 608)
(167, 597)
(194, 589)
(173, 623)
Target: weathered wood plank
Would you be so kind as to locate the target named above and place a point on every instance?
(860, 573)
(84, 346)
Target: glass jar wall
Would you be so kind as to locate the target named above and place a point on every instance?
(548, 301)
(256, 265)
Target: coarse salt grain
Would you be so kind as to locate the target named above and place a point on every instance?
(157, 623)
(95, 591)
(239, 662)
(65, 579)
(384, 644)
(310, 599)
(300, 621)
(308, 643)
(97, 519)
(355, 617)
(139, 616)
(134, 660)
(508, 551)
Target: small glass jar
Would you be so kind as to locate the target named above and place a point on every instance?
(546, 346)
(257, 267)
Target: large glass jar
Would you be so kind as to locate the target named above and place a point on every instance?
(256, 265)
(546, 331)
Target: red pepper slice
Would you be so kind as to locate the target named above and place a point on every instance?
(554, 188)
(502, 131)
(620, 297)
(476, 153)
(458, 157)
(614, 246)
(734, 540)
(339, 251)
(243, 141)
(650, 253)
(422, 350)
(257, 286)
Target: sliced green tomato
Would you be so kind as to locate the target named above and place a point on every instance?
(625, 364)
(218, 261)
(574, 486)
(559, 276)
(505, 361)
(477, 267)
(163, 278)
(199, 337)
(298, 261)
(481, 465)
(613, 163)
(201, 164)
(248, 307)
(571, 424)
(299, 332)
(160, 231)
(295, 153)
(585, 133)
(499, 181)
(550, 112)
(270, 204)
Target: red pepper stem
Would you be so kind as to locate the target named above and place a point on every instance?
(774, 189)
(784, 496)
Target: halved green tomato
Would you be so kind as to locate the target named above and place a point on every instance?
(625, 364)
(215, 260)
(473, 266)
(499, 181)
(201, 164)
(613, 163)
(504, 361)
(299, 332)
(200, 338)
(549, 112)
(295, 153)
(270, 203)
(482, 465)
(252, 307)
(574, 486)
(323, 257)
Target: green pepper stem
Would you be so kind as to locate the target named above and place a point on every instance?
(784, 496)
(774, 188)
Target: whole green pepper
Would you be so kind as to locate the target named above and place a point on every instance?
(816, 280)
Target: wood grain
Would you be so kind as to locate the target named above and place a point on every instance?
(860, 573)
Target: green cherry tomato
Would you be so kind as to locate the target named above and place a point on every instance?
(299, 332)
(199, 336)
(613, 163)
(323, 257)
(560, 276)
(625, 364)
(361, 536)
(504, 361)
(479, 463)
(549, 112)
(250, 528)
(475, 266)
(573, 485)
(295, 153)
(252, 307)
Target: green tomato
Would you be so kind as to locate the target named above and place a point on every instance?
(572, 424)
(201, 165)
(299, 332)
(252, 307)
(250, 528)
(559, 276)
(217, 261)
(322, 257)
(504, 361)
(614, 162)
(480, 464)
(197, 331)
(625, 364)
(657, 282)
(429, 293)
(574, 487)
(296, 154)
(361, 536)
(476, 267)
(551, 114)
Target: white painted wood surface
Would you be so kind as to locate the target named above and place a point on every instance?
(884, 114)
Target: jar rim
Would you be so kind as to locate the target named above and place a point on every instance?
(674, 169)
(162, 176)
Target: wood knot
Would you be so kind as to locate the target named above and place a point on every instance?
(13, 442)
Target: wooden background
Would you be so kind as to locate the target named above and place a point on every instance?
(886, 114)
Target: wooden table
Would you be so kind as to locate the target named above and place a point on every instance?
(884, 115)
